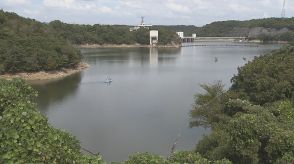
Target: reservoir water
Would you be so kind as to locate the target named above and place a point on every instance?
(147, 105)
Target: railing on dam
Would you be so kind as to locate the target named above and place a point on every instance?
(212, 39)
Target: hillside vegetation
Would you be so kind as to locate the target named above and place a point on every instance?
(110, 34)
(269, 29)
(28, 45)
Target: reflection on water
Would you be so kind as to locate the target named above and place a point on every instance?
(147, 105)
(153, 56)
(51, 92)
(142, 56)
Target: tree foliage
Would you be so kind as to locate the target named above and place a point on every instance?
(182, 157)
(28, 45)
(235, 28)
(189, 157)
(267, 78)
(93, 34)
(146, 158)
(230, 28)
(106, 34)
(208, 107)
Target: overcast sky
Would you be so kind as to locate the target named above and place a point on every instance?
(160, 12)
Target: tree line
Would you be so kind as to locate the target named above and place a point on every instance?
(110, 34)
(27, 46)
(242, 28)
(235, 28)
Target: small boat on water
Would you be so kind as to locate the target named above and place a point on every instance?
(108, 80)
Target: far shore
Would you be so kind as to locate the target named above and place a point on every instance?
(46, 75)
(125, 46)
(165, 46)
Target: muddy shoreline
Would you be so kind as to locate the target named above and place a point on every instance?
(46, 75)
(125, 46)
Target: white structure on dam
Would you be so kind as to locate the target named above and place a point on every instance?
(141, 25)
(153, 37)
(186, 39)
(181, 34)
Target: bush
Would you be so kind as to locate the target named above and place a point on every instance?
(146, 158)
(188, 158)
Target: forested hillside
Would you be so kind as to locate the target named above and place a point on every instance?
(28, 45)
(110, 34)
(264, 29)
(268, 78)
(269, 29)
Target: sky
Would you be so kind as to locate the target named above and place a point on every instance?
(157, 12)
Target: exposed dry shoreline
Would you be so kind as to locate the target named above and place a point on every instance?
(125, 46)
(48, 75)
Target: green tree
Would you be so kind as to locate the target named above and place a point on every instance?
(187, 157)
(208, 107)
(146, 158)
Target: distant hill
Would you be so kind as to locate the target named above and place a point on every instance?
(265, 29)
(27, 45)
(109, 34)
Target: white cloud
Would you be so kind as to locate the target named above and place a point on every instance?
(31, 12)
(86, 5)
(16, 2)
(265, 15)
(265, 2)
(239, 8)
(104, 9)
(198, 12)
(175, 7)
(68, 4)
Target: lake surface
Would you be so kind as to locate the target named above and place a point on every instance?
(147, 105)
